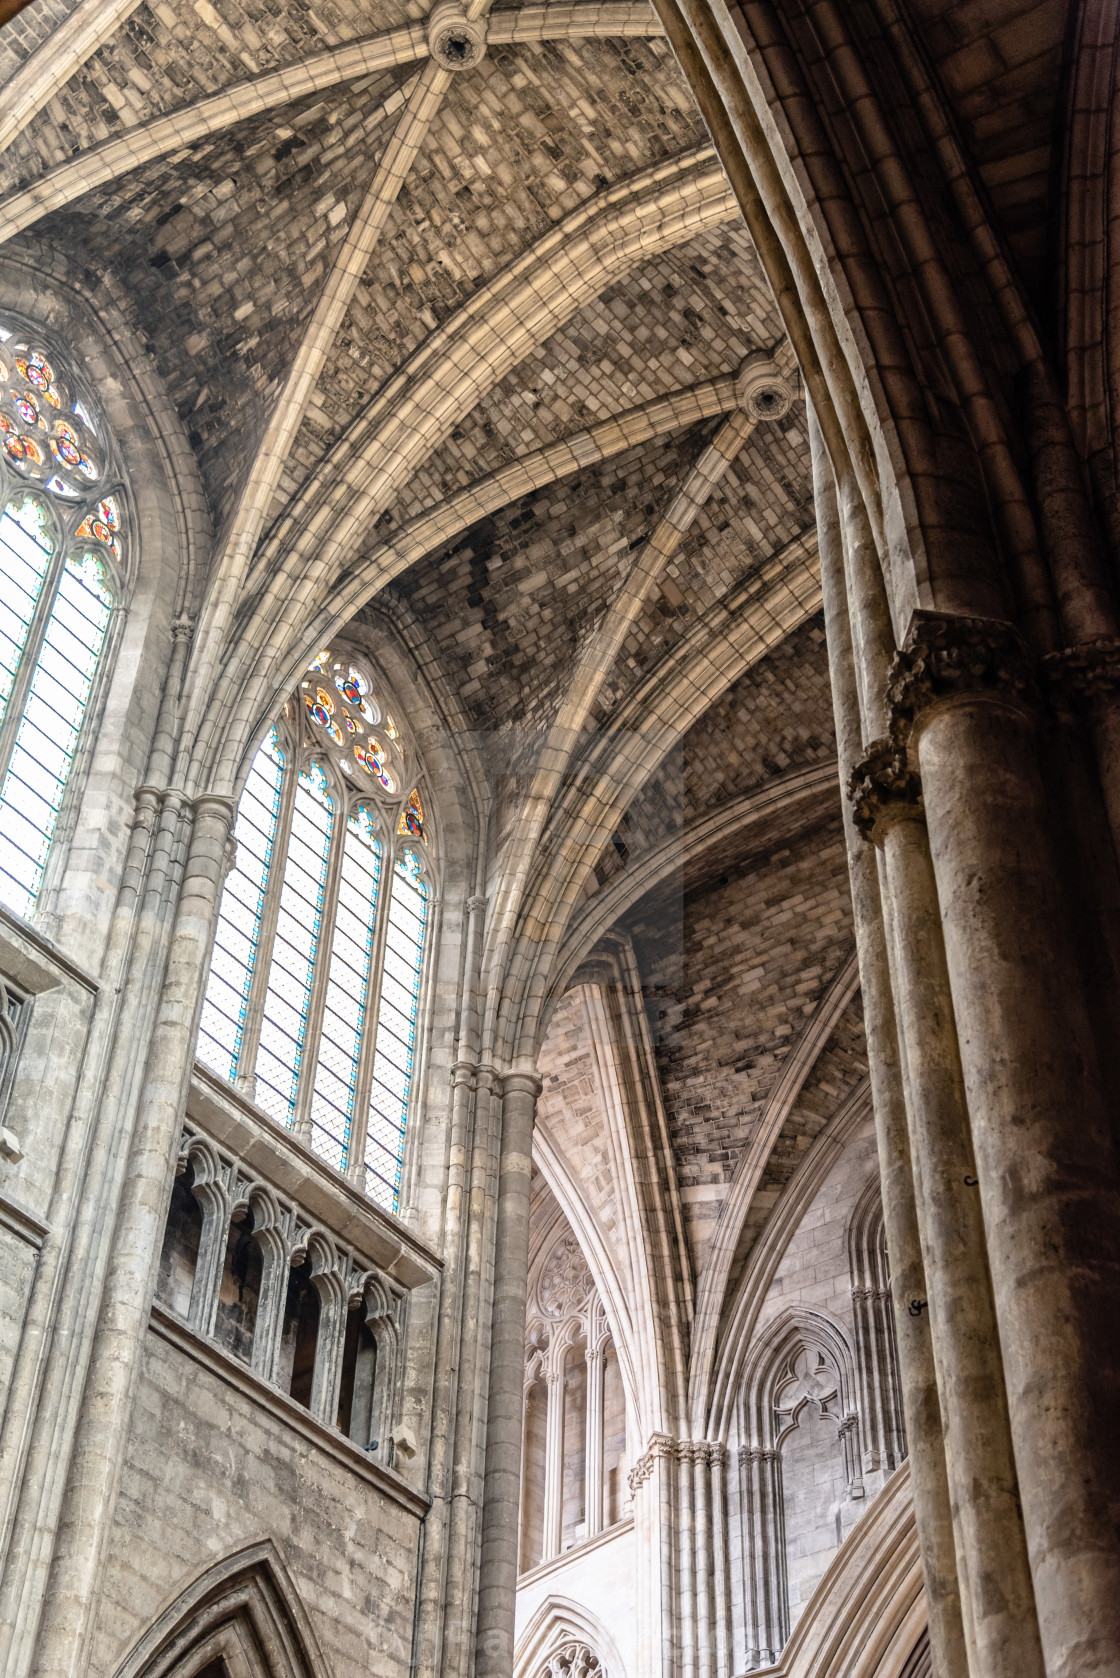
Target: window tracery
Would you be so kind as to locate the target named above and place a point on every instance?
(800, 1483)
(313, 999)
(574, 1660)
(62, 544)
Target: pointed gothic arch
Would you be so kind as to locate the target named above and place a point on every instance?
(243, 1612)
(880, 1397)
(560, 1622)
(801, 1367)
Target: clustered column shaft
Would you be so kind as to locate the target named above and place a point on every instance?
(502, 1487)
(1007, 1170)
(593, 1442)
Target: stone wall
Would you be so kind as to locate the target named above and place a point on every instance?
(209, 1468)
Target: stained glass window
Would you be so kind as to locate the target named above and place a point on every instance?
(312, 1006)
(61, 553)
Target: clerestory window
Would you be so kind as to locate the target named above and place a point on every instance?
(61, 550)
(313, 999)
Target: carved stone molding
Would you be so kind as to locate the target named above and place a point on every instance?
(456, 41)
(762, 391)
(947, 656)
(883, 788)
(755, 1453)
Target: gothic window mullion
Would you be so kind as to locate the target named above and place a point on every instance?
(298, 942)
(395, 1023)
(62, 669)
(346, 1020)
(306, 1084)
(246, 1080)
(356, 1165)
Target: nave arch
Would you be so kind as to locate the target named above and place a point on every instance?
(242, 1617)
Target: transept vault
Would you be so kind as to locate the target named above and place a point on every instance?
(559, 831)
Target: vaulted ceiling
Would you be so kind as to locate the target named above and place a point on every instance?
(452, 342)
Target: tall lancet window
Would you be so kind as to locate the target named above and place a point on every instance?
(313, 1000)
(62, 543)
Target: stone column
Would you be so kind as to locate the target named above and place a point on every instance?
(702, 1523)
(92, 1483)
(275, 1270)
(764, 1555)
(502, 1485)
(928, 1478)
(70, 1275)
(1045, 1157)
(593, 1441)
(999, 1619)
(553, 1457)
(659, 1524)
(721, 1563)
(447, 1602)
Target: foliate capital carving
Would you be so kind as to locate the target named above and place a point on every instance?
(1083, 675)
(883, 789)
(947, 656)
(662, 1447)
(753, 1454)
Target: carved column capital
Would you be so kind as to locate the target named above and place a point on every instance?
(947, 656)
(884, 789)
(1082, 676)
(662, 1447)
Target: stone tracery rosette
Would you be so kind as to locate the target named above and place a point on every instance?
(565, 1284)
(572, 1660)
